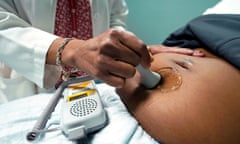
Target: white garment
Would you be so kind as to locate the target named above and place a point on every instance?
(26, 28)
(225, 7)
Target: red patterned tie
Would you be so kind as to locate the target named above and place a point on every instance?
(73, 19)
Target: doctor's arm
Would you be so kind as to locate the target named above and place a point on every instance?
(23, 47)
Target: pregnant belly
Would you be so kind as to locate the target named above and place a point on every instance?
(202, 108)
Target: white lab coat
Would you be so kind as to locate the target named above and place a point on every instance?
(26, 28)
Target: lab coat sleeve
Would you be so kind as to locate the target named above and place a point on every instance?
(119, 12)
(218, 33)
(24, 48)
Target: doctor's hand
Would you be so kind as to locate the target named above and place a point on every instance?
(111, 56)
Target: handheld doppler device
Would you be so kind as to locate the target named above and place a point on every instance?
(149, 79)
(82, 110)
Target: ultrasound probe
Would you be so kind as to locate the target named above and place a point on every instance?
(149, 78)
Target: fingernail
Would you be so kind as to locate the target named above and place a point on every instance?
(197, 53)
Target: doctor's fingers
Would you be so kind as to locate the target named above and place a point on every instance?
(133, 43)
(119, 52)
(115, 72)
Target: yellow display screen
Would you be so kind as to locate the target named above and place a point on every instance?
(81, 95)
(80, 85)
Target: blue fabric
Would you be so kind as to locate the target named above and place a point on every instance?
(218, 33)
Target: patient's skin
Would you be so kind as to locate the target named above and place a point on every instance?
(204, 109)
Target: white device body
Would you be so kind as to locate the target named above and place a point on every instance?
(149, 78)
(82, 110)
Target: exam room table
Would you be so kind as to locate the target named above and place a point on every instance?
(18, 117)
